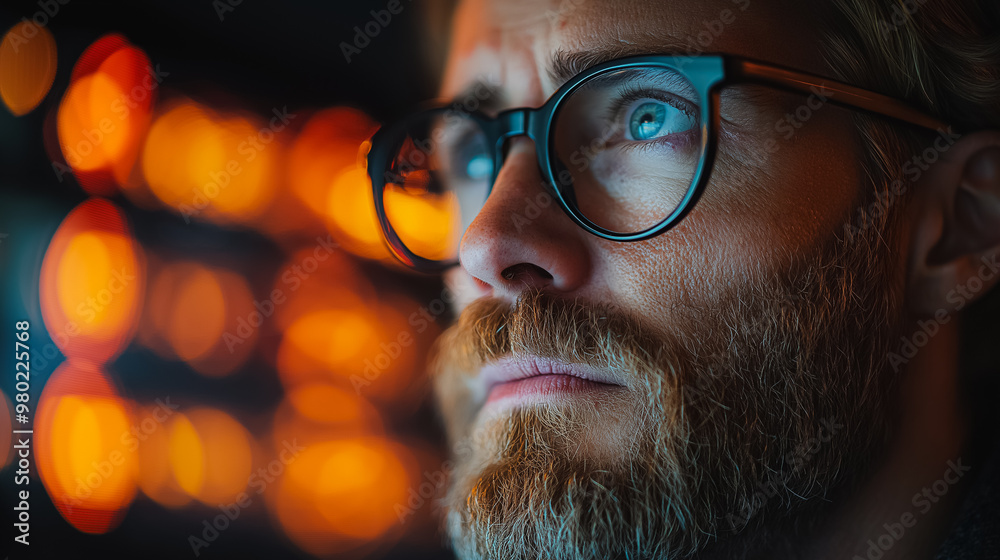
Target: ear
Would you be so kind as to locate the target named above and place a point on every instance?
(955, 223)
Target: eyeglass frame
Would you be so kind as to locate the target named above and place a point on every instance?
(707, 74)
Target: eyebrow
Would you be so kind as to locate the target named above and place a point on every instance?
(564, 64)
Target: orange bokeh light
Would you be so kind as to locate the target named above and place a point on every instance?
(210, 167)
(307, 283)
(327, 145)
(210, 455)
(201, 315)
(156, 475)
(343, 494)
(426, 224)
(198, 315)
(316, 412)
(369, 350)
(105, 113)
(27, 66)
(327, 404)
(350, 214)
(92, 282)
(81, 442)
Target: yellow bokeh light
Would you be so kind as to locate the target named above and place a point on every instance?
(210, 455)
(156, 477)
(227, 455)
(84, 462)
(200, 314)
(333, 336)
(92, 282)
(350, 213)
(358, 486)
(79, 122)
(426, 224)
(187, 455)
(89, 282)
(208, 167)
(341, 493)
(327, 145)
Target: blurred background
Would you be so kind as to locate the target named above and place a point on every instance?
(224, 360)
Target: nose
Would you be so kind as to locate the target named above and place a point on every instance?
(521, 240)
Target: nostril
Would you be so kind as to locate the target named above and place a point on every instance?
(525, 271)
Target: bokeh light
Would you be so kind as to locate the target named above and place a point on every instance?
(350, 214)
(27, 66)
(156, 475)
(104, 115)
(343, 494)
(210, 454)
(201, 315)
(331, 367)
(427, 225)
(325, 147)
(316, 412)
(82, 432)
(207, 166)
(369, 351)
(92, 282)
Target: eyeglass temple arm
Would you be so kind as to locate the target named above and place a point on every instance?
(839, 93)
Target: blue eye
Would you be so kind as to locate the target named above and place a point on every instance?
(480, 167)
(471, 161)
(653, 119)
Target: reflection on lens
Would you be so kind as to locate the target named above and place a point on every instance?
(627, 144)
(436, 183)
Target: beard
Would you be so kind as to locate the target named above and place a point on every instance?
(737, 432)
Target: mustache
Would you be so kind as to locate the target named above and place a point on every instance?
(539, 324)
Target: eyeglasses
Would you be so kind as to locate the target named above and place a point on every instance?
(626, 148)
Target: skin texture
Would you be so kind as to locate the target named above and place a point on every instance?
(763, 215)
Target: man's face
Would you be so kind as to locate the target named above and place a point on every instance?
(656, 398)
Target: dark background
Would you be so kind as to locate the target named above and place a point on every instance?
(260, 55)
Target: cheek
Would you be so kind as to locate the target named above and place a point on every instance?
(748, 222)
(685, 267)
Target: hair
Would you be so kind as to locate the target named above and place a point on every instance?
(941, 56)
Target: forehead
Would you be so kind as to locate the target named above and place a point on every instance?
(511, 43)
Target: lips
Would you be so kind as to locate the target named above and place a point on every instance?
(532, 377)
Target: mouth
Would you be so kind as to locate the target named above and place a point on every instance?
(529, 379)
